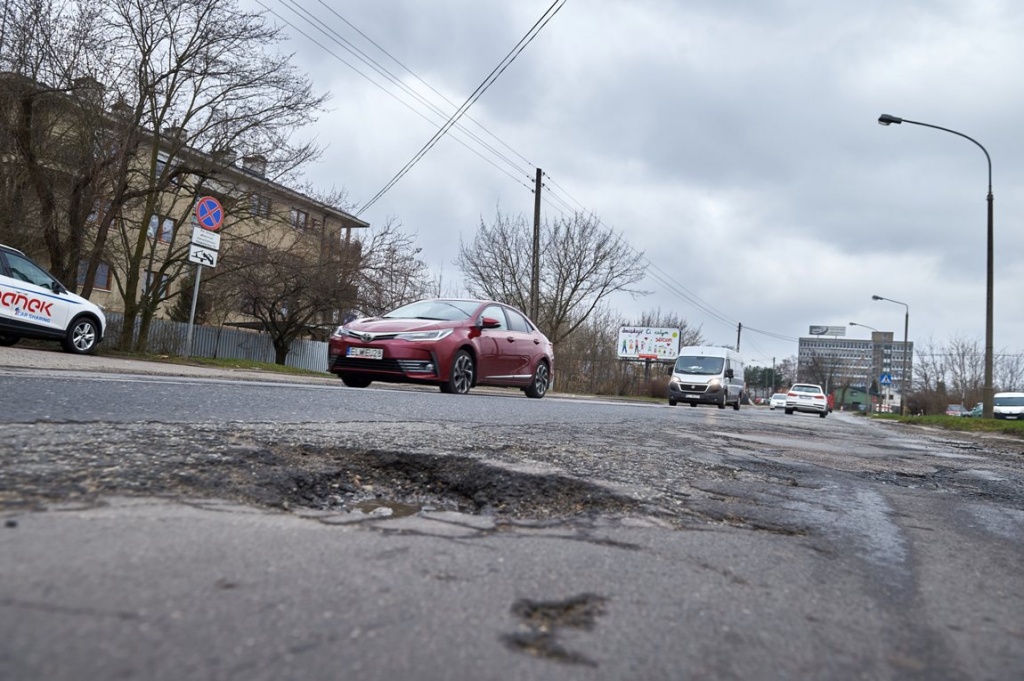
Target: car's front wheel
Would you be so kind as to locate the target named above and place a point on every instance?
(8, 341)
(460, 376)
(541, 380)
(82, 336)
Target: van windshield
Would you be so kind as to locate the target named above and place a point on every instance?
(702, 366)
(1010, 401)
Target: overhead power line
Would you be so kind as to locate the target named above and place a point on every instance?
(480, 90)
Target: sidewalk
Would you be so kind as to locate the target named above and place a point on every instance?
(56, 360)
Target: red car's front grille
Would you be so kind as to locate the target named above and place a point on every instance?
(384, 366)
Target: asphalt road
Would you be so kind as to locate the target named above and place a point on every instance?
(169, 523)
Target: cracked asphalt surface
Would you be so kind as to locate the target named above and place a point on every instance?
(404, 534)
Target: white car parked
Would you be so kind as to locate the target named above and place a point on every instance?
(35, 305)
(807, 397)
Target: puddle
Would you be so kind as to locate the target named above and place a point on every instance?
(382, 508)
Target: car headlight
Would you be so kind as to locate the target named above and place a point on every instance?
(714, 383)
(435, 335)
(338, 332)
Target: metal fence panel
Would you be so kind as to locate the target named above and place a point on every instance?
(168, 337)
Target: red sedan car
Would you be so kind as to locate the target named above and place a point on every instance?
(452, 343)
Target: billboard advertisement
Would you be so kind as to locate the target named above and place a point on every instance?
(640, 342)
(822, 330)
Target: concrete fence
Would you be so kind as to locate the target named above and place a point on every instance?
(167, 337)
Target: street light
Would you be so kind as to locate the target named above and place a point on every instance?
(871, 368)
(906, 348)
(989, 392)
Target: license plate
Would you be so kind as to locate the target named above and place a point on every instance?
(366, 353)
(691, 396)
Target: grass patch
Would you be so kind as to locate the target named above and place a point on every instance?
(960, 423)
(219, 363)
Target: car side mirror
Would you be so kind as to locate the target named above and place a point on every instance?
(729, 374)
(489, 323)
(58, 288)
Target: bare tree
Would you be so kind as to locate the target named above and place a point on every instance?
(390, 271)
(581, 264)
(288, 292)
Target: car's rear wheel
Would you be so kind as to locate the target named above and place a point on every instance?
(823, 414)
(82, 336)
(356, 381)
(460, 376)
(541, 380)
(789, 411)
(8, 341)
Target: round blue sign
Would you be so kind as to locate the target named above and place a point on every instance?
(209, 213)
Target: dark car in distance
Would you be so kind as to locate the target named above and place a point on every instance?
(453, 343)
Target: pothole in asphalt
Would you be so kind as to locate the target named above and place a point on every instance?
(395, 484)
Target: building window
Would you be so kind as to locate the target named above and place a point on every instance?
(260, 206)
(300, 219)
(161, 228)
(100, 282)
(155, 280)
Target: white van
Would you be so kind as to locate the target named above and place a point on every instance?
(1008, 406)
(707, 375)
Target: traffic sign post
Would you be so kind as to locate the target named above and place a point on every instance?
(209, 216)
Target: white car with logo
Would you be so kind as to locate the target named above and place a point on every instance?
(35, 305)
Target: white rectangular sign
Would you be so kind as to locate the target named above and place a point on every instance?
(640, 342)
(205, 238)
(202, 256)
(822, 330)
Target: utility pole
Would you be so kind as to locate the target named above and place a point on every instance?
(739, 330)
(535, 274)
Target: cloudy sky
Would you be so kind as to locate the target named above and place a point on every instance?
(734, 143)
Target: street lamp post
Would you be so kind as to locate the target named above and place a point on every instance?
(989, 392)
(871, 368)
(906, 349)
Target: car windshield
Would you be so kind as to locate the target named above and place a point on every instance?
(1010, 401)
(702, 366)
(446, 310)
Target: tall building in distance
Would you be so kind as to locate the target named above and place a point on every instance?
(837, 363)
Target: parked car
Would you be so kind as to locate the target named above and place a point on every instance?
(35, 305)
(1008, 406)
(455, 344)
(976, 411)
(807, 397)
(777, 400)
(956, 410)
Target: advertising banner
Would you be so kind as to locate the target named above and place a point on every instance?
(639, 342)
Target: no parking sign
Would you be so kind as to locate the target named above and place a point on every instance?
(209, 213)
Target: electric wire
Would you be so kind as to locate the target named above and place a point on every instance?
(314, 41)
(480, 90)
